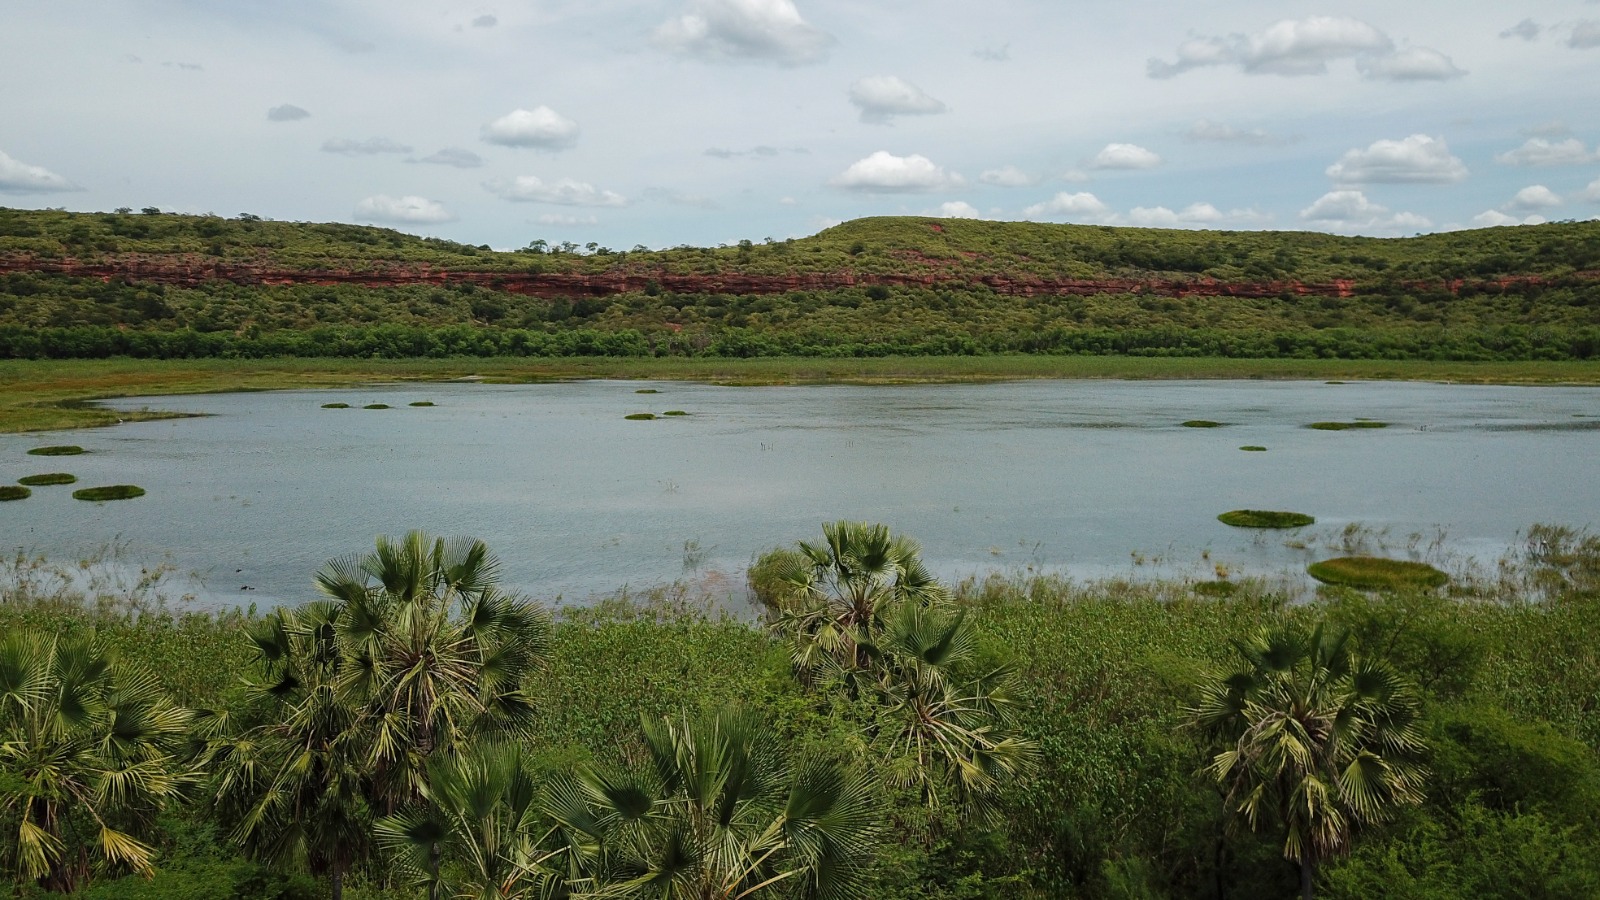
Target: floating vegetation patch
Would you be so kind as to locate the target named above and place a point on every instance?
(1546, 426)
(109, 492)
(1264, 518)
(14, 492)
(1253, 448)
(48, 478)
(1345, 426)
(376, 406)
(1203, 423)
(335, 406)
(1375, 573)
(640, 417)
(59, 450)
(1334, 382)
(421, 403)
(647, 391)
(1215, 588)
(674, 412)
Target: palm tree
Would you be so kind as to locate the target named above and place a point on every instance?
(1314, 739)
(717, 813)
(89, 753)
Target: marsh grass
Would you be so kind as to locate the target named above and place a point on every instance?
(1253, 448)
(1346, 426)
(674, 412)
(376, 406)
(335, 406)
(647, 391)
(1216, 588)
(1377, 573)
(47, 479)
(421, 403)
(1203, 423)
(109, 492)
(639, 417)
(1264, 518)
(57, 450)
(14, 492)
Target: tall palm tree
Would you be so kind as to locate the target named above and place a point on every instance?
(89, 753)
(1313, 739)
(717, 813)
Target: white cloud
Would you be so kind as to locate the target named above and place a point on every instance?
(743, 30)
(368, 147)
(1125, 156)
(1555, 128)
(1195, 215)
(288, 112)
(1074, 176)
(1491, 218)
(1533, 197)
(566, 220)
(1541, 152)
(1418, 159)
(485, 21)
(452, 156)
(563, 192)
(1206, 130)
(885, 172)
(1527, 29)
(1351, 211)
(540, 127)
(1081, 205)
(17, 177)
(407, 210)
(955, 209)
(882, 97)
(1410, 64)
(1287, 47)
(1592, 192)
(1585, 34)
(1007, 176)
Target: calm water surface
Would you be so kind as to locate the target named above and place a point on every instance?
(1089, 477)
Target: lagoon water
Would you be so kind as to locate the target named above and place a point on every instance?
(1090, 478)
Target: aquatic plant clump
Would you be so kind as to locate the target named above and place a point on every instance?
(335, 406)
(376, 406)
(674, 412)
(421, 403)
(640, 417)
(1345, 426)
(14, 492)
(59, 450)
(1376, 573)
(1253, 448)
(109, 492)
(1203, 423)
(1215, 588)
(647, 391)
(1264, 518)
(48, 478)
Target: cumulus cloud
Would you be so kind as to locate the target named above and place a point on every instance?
(452, 156)
(1081, 205)
(567, 220)
(1592, 192)
(883, 172)
(368, 147)
(955, 209)
(540, 127)
(563, 192)
(1527, 29)
(1585, 34)
(1533, 197)
(407, 210)
(485, 21)
(743, 30)
(18, 177)
(1491, 218)
(1206, 130)
(1418, 159)
(1306, 47)
(1195, 215)
(1410, 64)
(1541, 152)
(1351, 211)
(1125, 156)
(1007, 176)
(288, 112)
(882, 97)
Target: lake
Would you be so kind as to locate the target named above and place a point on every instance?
(1089, 478)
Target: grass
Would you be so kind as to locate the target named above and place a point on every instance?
(1376, 573)
(48, 478)
(1253, 448)
(109, 492)
(1215, 588)
(1264, 518)
(58, 450)
(14, 492)
(1345, 426)
(1203, 423)
(46, 395)
(640, 417)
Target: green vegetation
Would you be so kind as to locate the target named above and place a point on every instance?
(1253, 448)
(48, 478)
(647, 391)
(1375, 573)
(421, 403)
(376, 406)
(1345, 426)
(1203, 423)
(640, 417)
(1264, 518)
(59, 450)
(14, 492)
(674, 412)
(1217, 588)
(335, 406)
(1480, 703)
(109, 492)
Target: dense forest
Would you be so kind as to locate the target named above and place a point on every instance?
(158, 285)
(862, 730)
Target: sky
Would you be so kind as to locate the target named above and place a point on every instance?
(702, 122)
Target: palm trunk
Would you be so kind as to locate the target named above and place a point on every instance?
(1307, 873)
(336, 881)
